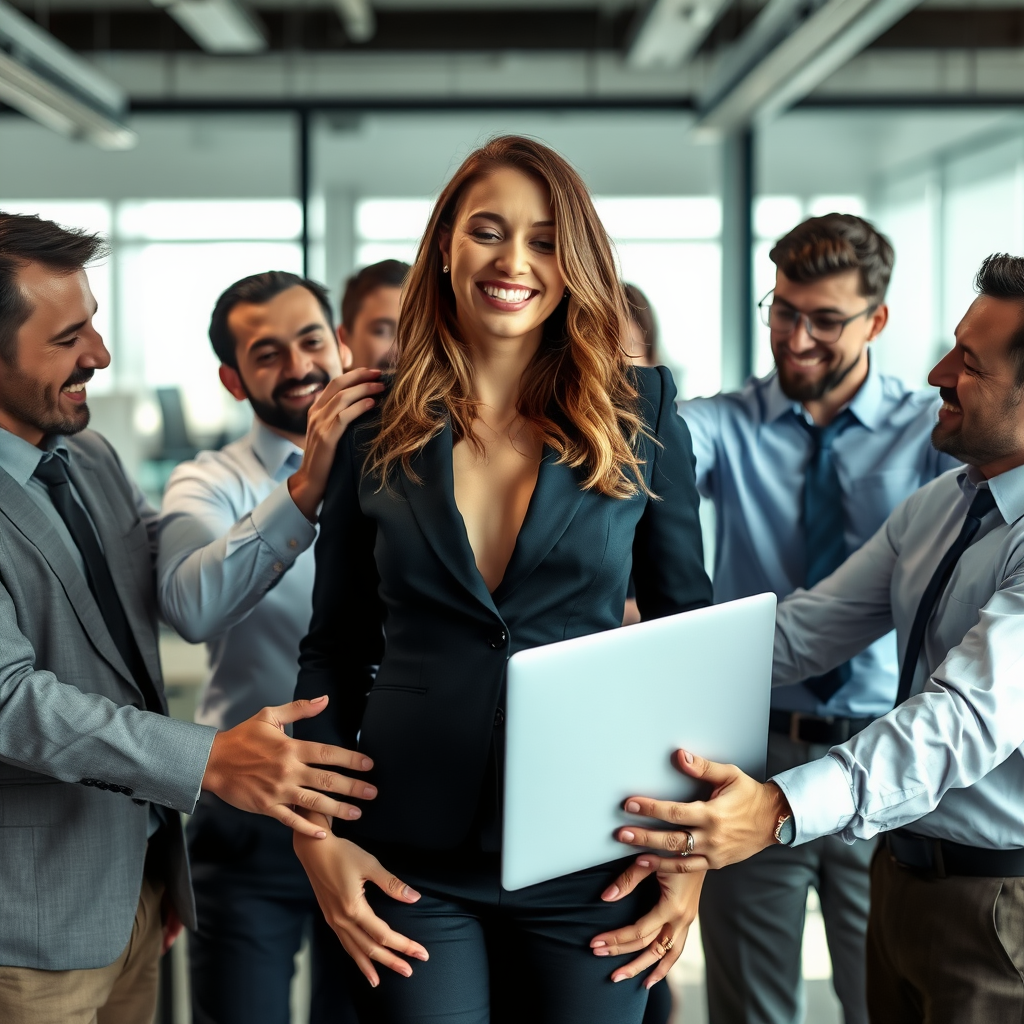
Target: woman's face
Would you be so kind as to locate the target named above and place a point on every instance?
(504, 271)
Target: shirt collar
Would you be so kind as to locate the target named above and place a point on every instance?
(1007, 488)
(274, 451)
(867, 405)
(20, 459)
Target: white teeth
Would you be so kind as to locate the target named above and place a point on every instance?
(302, 392)
(73, 389)
(507, 294)
(949, 407)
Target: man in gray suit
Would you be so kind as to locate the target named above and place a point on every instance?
(93, 871)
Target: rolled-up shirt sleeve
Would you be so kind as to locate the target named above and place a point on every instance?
(968, 719)
(214, 566)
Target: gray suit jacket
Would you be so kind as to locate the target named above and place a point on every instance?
(79, 758)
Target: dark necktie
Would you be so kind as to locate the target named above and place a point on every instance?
(54, 474)
(824, 529)
(983, 503)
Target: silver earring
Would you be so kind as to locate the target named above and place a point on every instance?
(444, 269)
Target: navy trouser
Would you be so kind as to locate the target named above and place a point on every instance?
(500, 957)
(254, 905)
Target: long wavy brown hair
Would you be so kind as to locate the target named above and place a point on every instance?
(576, 392)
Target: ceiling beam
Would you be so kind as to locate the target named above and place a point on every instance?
(218, 26)
(43, 79)
(778, 61)
(670, 32)
(358, 19)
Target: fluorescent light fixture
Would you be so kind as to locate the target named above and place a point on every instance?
(672, 31)
(802, 60)
(358, 18)
(218, 26)
(46, 81)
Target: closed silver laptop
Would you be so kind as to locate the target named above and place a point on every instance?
(596, 719)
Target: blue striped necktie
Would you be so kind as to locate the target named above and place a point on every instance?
(824, 529)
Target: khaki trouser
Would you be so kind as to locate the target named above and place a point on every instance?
(944, 950)
(123, 993)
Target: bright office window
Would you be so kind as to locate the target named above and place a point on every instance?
(668, 246)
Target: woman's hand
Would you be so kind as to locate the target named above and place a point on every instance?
(339, 871)
(661, 934)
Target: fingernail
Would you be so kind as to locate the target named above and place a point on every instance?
(373, 984)
(406, 971)
(369, 792)
(616, 978)
(632, 806)
(318, 700)
(602, 952)
(598, 942)
(354, 812)
(626, 836)
(410, 894)
(644, 862)
(367, 764)
(421, 954)
(321, 835)
(649, 985)
(687, 757)
(610, 893)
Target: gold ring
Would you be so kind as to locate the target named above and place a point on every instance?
(689, 845)
(668, 945)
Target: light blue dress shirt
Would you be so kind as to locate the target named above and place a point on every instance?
(235, 570)
(752, 453)
(951, 758)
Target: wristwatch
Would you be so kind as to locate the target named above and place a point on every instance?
(785, 830)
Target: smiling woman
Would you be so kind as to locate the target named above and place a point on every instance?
(495, 501)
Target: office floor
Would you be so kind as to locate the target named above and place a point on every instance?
(185, 668)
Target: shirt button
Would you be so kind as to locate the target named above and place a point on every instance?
(498, 640)
(279, 567)
(293, 543)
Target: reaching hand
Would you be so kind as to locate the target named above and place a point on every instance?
(342, 402)
(339, 871)
(257, 767)
(737, 821)
(661, 934)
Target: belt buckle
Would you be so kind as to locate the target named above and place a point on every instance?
(794, 726)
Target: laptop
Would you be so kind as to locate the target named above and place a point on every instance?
(593, 720)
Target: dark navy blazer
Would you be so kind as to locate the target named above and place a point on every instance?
(397, 587)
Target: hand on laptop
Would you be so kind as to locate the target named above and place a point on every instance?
(737, 821)
(258, 767)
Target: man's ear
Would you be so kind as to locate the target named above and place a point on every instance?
(344, 350)
(231, 380)
(879, 319)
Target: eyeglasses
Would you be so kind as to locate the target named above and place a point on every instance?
(783, 320)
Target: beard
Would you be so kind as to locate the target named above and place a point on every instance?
(38, 405)
(800, 390)
(981, 443)
(274, 414)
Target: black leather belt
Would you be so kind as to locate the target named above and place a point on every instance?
(941, 858)
(803, 728)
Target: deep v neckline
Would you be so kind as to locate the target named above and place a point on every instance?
(519, 533)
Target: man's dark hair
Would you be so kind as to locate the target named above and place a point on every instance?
(257, 289)
(1001, 276)
(386, 274)
(30, 239)
(837, 242)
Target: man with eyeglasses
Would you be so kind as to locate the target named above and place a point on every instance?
(803, 466)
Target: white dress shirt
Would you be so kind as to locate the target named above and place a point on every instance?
(950, 759)
(235, 570)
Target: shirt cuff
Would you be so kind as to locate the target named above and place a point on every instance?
(281, 525)
(820, 797)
